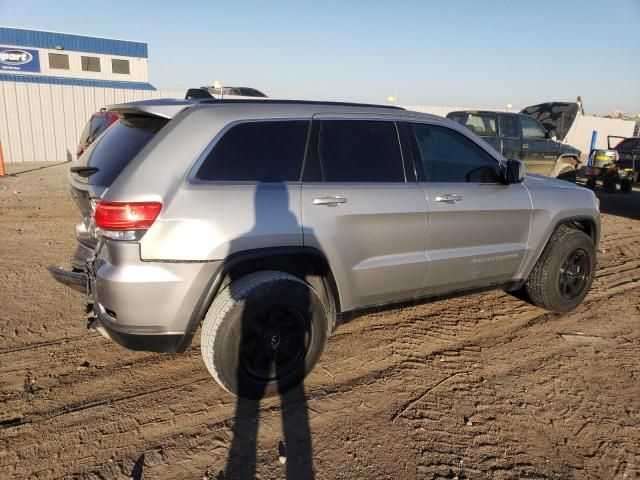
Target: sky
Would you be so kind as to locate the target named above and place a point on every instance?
(451, 53)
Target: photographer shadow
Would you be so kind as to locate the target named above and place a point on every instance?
(271, 339)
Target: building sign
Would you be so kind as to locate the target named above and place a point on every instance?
(14, 59)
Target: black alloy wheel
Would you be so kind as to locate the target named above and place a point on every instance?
(574, 274)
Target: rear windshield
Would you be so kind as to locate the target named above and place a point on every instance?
(480, 123)
(115, 149)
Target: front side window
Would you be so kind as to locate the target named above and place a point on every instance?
(59, 61)
(120, 66)
(531, 128)
(90, 64)
(267, 151)
(360, 151)
(449, 156)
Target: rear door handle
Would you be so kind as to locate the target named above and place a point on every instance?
(329, 201)
(448, 198)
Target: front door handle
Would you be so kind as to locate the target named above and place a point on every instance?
(329, 201)
(525, 145)
(448, 198)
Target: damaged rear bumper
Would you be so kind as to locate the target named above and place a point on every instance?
(76, 279)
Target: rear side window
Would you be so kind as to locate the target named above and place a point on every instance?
(480, 123)
(449, 156)
(115, 149)
(360, 151)
(258, 152)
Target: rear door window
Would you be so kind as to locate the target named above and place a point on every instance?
(360, 151)
(261, 151)
(117, 147)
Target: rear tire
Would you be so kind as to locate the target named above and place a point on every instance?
(591, 183)
(564, 272)
(263, 334)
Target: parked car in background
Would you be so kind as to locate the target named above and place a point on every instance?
(235, 92)
(267, 222)
(97, 124)
(522, 137)
(629, 157)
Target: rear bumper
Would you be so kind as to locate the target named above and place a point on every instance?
(141, 305)
(75, 279)
(131, 339)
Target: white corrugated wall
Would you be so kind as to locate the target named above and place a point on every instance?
(579, 135)
(43, 122)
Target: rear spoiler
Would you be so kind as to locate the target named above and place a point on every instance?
(165, 108)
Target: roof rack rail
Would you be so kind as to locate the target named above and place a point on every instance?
(265, 101)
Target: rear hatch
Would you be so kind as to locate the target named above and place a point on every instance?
(98, 167)
(103, 161)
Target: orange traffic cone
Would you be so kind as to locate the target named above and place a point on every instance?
(1, 162)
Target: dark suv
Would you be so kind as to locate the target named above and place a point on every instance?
(520, 136)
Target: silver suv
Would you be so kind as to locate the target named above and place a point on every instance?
(266, 222)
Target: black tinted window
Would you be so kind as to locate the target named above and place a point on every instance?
(258, 151)
(360, 151)
(449, 156)
(114, 150)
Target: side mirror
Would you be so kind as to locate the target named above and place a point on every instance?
(515, 171)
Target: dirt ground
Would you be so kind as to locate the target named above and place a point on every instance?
(483, 386)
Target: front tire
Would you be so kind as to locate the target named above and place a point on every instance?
(263, 334)
(564, 272)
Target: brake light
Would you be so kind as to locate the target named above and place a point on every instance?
(126, 215)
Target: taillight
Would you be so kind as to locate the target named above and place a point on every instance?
(126, 215)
